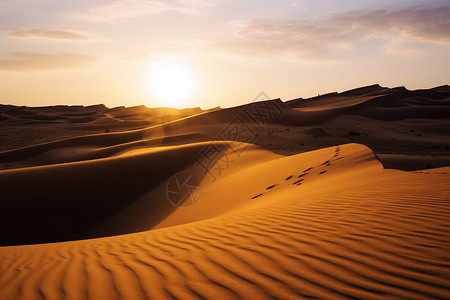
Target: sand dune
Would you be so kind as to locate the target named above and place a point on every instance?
(284, 200)
(349, 230)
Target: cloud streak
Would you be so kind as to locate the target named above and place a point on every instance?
(123, 9)
(42, 61)
(319, 39)
(53, 34)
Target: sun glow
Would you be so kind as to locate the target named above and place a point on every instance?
(171, 84)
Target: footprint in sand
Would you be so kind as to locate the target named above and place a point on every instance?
(309, 169)
(298, 182)
(271, 187)
(336, 152)
(301, 175)
(259, 195)
(289, 177)
(322, 172)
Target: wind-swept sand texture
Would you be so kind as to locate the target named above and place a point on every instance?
(208, 205)
(354, 231)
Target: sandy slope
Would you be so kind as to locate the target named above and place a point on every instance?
(325, 224)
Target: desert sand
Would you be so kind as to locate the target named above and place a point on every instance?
(344, 195)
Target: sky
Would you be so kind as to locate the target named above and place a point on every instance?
(224, 52)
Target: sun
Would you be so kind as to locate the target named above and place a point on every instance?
(171, 84)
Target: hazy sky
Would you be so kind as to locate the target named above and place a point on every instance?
(98, 51)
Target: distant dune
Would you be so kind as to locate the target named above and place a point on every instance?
(91, 117)
(273, 199)
(23, 126)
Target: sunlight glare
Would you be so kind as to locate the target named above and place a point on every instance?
(171, 85)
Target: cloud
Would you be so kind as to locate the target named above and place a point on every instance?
(43, 61)
(54, 34)
(292, 38)
(321, 39)
(123, 9)
(428, 25)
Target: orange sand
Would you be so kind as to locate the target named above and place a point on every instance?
(355, 231)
